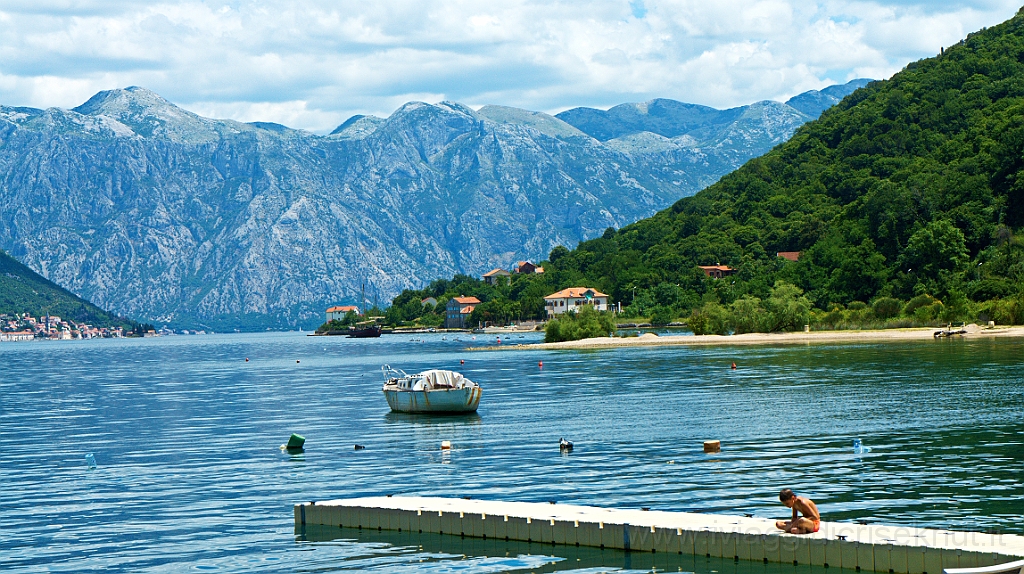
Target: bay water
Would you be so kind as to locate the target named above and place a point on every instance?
(188, 474)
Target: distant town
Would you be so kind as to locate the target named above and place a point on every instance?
(25, 327)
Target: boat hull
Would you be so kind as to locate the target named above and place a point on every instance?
(435, 401)
(364, 332)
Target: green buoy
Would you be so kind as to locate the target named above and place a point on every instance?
(295, 442)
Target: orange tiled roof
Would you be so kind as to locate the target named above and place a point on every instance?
(573, 292)
(790, 255)
(467, 300)
(498, 271)
(343, 309)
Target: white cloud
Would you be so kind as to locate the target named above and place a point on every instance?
(312, 63)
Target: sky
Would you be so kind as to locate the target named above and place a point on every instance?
(312, 64)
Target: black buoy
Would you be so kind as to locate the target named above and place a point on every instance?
(360, 447)
(564, 445)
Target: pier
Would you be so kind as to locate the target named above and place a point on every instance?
(863, 547)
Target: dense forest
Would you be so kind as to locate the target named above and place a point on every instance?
(905, 201)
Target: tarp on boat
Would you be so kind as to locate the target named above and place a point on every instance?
(439, 379)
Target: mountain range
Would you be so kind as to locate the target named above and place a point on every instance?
(157, 213)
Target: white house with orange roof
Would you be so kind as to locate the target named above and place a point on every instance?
(339, 311)
(574, 298)
(458, 310)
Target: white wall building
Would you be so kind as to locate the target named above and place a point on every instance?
(574, 298)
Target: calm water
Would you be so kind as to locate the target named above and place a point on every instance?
(189, 475)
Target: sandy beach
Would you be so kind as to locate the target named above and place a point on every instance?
(867, 336)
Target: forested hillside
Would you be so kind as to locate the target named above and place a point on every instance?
(25, 291)
(907, 187)
(908, 191)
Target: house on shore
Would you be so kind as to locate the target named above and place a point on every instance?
(338, 312)
(458, 311)
(429, 301)
(717, 271)
(574, 298)
(789, 255)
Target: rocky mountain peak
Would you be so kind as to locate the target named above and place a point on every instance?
(357, 127)
(131, 100)
(539, 121)
(150, 115)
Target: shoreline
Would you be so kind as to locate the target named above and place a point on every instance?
(824, 337)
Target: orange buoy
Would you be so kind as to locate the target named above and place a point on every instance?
(540, 364)
(462, 362)
(734, 365)
(247, 359)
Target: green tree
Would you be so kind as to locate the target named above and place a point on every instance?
(584, 324)
(787, 308)
(662, 315)
(935, 248)
(747, 315)
(709, 319)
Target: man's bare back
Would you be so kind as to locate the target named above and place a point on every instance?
(806, 524)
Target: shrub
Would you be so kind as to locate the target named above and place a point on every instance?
(928, 313)
(886, 307)
(662, 315)
(923, 300)
(1008, 311)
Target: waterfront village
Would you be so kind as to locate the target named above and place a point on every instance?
(457, 310)
(25, 327)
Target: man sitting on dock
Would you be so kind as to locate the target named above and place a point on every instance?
(806, 524)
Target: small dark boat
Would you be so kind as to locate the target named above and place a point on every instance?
(365, 330)
(950, 332)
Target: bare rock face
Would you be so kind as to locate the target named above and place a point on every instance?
(159, 214)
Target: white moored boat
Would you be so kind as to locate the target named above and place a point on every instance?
(433, 391)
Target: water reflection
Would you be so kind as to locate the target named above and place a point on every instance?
(452, 419)
(445, 553)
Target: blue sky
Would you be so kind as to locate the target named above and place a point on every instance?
(311, 64)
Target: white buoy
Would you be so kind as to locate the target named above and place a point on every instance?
(446, 445)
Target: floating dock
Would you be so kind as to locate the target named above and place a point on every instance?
(866, 547)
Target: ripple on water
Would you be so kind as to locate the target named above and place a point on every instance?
(190, 477)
